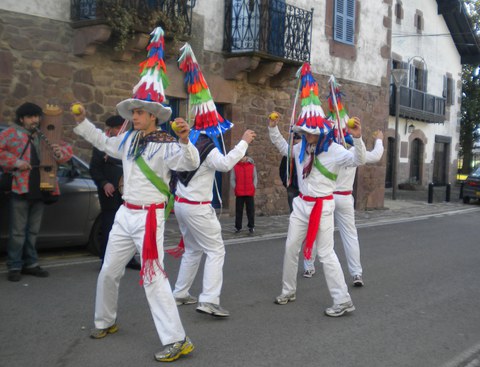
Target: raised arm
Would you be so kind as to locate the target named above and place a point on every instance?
(357, 156)
(276, 137)
(376, 153)
(182, 157)
(98, 139)
(225, 163)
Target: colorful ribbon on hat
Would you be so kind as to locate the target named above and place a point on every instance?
(311, 114)
(153, 71)
(207, 119)
(338, 112)
(311, 117)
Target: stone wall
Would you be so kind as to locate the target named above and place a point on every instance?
(37, 64)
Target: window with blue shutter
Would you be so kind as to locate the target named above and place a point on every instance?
(344, 21)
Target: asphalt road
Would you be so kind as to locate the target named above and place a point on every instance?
(418, 308)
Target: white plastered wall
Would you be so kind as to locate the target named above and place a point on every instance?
(369, 67)
(436, 47)
(52, 9)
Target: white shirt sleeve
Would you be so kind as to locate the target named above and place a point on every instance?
(99, 140)
(352, 158)
(225, 163)
(182, 157)
(278, 140)
(376, 153)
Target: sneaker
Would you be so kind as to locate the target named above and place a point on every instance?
(188, 300)
(14, 275)
(173, 351)
(251, 230)
(134, 265)
(212, 309)
(358, 281)
(340, 309)
(102, 333)
(284, 299)
(308, 273)
(36, 271)
(236, 230)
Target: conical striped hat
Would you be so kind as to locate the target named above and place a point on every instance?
(149, 93)
(206, 118)
(311, 118)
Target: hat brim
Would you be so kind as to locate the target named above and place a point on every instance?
(126, 107)
(304, 130)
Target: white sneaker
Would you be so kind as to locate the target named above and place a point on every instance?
(212, 309)
(188, 300)
(283, 299)
(308, 273)
(340, 309)
(358, 281)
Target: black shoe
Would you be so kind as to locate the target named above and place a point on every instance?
(14, 275)
(251, 230)
(237, 230)
(36, 271)
(134, 264)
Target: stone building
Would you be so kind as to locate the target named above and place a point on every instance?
(249, 52)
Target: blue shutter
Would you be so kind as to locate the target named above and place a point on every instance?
(344, 21)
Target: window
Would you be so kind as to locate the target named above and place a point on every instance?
(448, 90)
(344, 21)
(399, 65)
(399, 11)
(418, 21)
(418, 77)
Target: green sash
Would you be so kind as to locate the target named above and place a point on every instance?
(324, 171)
(158, 183)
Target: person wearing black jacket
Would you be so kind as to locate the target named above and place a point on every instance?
(292, 189)
(106, 172)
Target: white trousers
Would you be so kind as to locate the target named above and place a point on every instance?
(345, 221)
(126, 237)
(297, 231)
(202, 234)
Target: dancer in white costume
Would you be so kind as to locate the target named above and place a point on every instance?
(148, 155)
(344, 214)
(196, 217)
(344, 202)
(318, 160)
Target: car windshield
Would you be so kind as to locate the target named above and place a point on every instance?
(476, 172)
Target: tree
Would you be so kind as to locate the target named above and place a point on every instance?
(470, 112)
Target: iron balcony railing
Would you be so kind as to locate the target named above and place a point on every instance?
(176, 10)
(418, 105)
(271, 28)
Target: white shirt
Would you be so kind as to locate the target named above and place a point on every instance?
(200, 186)
(138, 189)
(316, 184)
(346, 176)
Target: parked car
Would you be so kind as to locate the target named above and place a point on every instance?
(471, 186)
(73, 220)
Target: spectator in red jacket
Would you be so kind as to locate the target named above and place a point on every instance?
(243, 180)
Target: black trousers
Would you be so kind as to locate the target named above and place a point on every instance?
(249, 203)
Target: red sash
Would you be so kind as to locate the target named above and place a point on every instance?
(149, 251)
(346, 193)
(313, 222)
